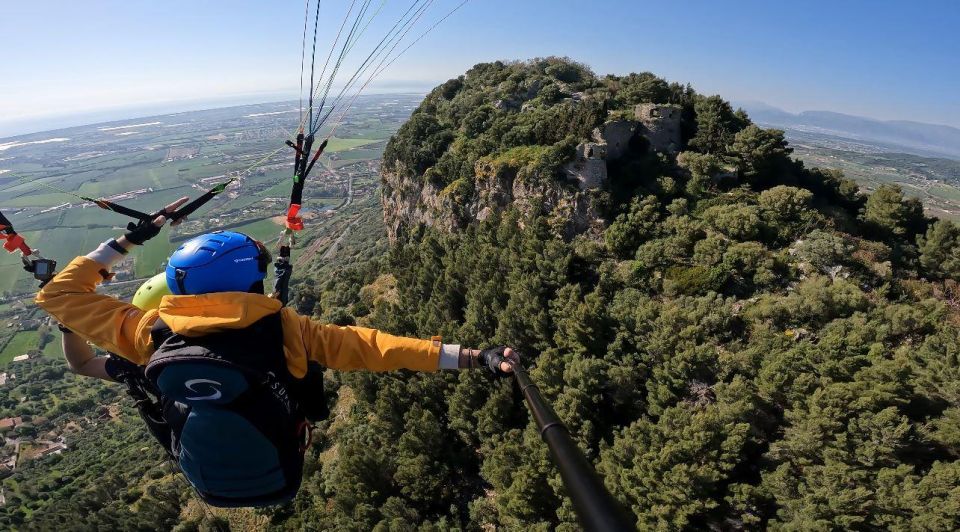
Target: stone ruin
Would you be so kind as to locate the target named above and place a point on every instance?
(590, 166)
(616, 135)
(608, 143)
(660, 124)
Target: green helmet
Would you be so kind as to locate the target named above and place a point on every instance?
(150, 293)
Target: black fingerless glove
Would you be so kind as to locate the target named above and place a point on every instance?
(492, 358)
(282, 272)
(141, 232)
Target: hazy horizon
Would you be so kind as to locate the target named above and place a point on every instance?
(879, 60)
(32, 126)
(11, 130)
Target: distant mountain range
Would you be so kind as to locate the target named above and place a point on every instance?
(911, 137)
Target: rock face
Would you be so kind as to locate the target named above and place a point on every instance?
(569, 209)
(407, 203)
(508, 104)
(410, 203)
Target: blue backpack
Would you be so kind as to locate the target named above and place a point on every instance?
(237, 420)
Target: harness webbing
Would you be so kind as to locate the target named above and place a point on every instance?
(302, 165)
(184, 211)
(191, 207)
(323, 146)
(120, 209)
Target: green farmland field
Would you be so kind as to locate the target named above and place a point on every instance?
(21, 343)
(39, 191)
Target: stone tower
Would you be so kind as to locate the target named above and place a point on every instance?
(660, 124)
(608, 143)
(590, 166)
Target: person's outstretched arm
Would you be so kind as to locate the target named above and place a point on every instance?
(114, 325)
(352, 348)
(81, 359)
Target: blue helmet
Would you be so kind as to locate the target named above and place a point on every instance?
(222, 261)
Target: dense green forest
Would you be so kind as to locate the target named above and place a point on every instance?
(739, 342)
(112, 475)
(746, 343)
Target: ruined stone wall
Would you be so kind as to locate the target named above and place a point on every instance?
(617, 136)
(589, 173)
(660, 124)
(609, 143)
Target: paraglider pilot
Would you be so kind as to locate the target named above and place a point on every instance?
(234, 362)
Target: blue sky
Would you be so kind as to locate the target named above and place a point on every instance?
(67, 61)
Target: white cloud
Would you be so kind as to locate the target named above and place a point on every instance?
(130, 126)
(7, 145)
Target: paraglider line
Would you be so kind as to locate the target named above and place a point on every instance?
(303, 50)
(313, 55)
(380, 70)
(375, 55)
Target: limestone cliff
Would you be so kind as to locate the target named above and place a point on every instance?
(539, 141)
(408, 204)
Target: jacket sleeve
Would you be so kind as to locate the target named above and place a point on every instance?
(105, 321)
(347, 348)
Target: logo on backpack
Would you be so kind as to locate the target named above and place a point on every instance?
(279, 392)
(216, 394)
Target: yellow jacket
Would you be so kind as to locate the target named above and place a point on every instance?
(124, 329)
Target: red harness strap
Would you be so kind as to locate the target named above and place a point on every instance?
(294, 221)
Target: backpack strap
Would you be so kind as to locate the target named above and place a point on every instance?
(152, 408)
(309, 393)
(159, 333)
(266, 361)
(257, 349)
